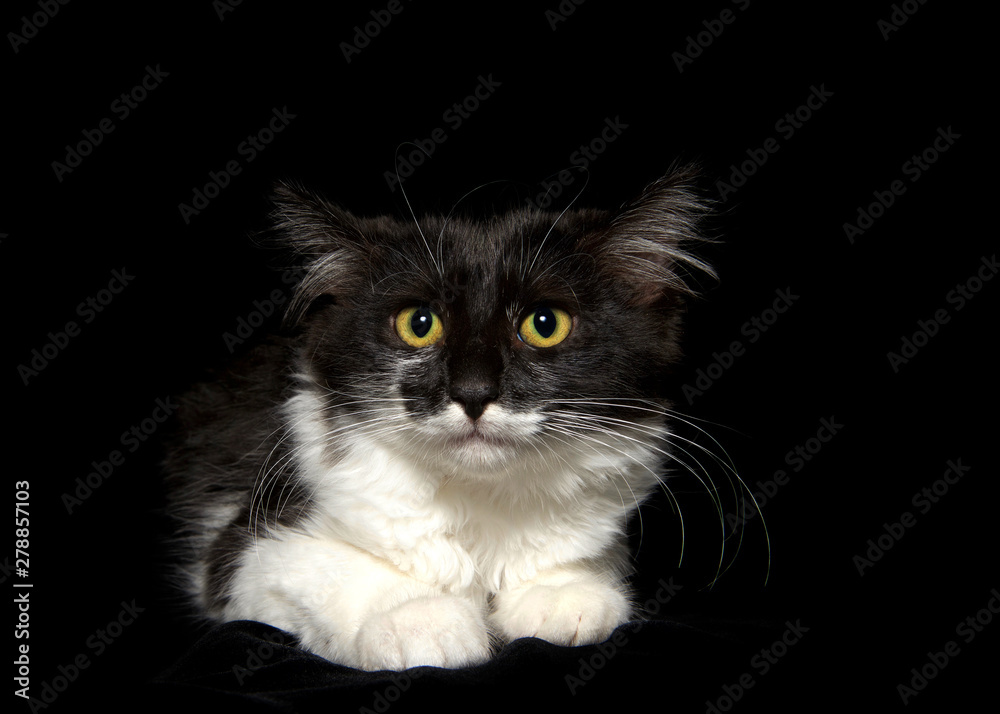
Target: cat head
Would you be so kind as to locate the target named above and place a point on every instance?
(478, 344)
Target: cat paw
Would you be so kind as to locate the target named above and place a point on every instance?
(430, 631)
(575, 613)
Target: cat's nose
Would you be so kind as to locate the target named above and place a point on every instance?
(474, 395)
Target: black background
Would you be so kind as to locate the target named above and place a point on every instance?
(826, 357)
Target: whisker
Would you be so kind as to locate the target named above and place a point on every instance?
(591, 421)
(406, 198)
(656, 477)
(579, 193)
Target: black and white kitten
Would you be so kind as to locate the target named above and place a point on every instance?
(446, 449)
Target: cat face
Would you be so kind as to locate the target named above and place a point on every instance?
(476, 347)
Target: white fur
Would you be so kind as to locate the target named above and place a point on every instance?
(418, 546)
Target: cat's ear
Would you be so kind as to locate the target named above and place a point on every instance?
(327, 243)
(649, 241)
(309, 224)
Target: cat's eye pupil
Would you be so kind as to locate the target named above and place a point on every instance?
(421, 322)
(545, 322)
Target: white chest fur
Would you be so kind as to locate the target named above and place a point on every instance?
(389, 534)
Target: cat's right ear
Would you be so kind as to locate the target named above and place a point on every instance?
(326, 243)
(308, 223)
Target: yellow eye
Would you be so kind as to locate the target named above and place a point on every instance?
(545, 327)
(419, 326)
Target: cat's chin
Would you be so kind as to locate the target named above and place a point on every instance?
(477, 440)
(480, 452)
(495, 443)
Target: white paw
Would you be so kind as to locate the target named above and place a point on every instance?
(576, 613)
(441, 631)
(438, 561)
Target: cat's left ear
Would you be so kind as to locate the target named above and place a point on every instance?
(649, 242)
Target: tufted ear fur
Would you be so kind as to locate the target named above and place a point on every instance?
(647, 242)
(328, 242)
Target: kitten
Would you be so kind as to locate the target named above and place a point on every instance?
(443, 452)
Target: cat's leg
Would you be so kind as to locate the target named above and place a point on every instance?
(570, 605)
(353, 608)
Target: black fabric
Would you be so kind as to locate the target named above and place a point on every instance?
(254, 667)
(891, 332)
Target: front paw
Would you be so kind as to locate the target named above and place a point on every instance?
(574, 613)
(441, 631)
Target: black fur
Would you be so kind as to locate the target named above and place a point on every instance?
(620, 275)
